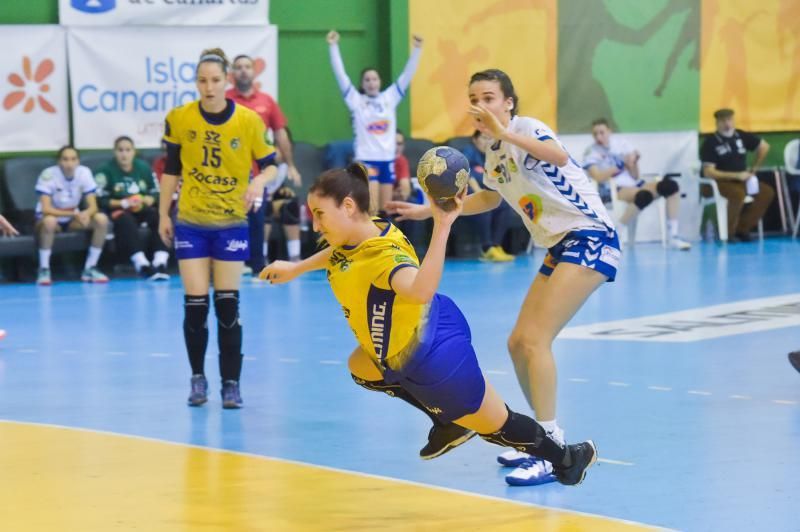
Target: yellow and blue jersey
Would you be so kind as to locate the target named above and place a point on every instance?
(385, 324)
(216, 159)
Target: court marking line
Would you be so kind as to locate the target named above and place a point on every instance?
(331, 362)
(660, 388)
(496, 372)
(784, 402)
(339, 470)
(160, 355)
(615, 462)
(736, 396)
(698, 392)
(577, 379)
(620, 384)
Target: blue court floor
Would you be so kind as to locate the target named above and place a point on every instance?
(694, 435)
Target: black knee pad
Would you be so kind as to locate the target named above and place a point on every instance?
(195, 309)
(667, 187)
(377, 386)
(520, 432)
(643, 198)
(290, 212)
(226, 306)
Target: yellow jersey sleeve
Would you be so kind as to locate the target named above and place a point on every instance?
(171, 134)
(259, 141)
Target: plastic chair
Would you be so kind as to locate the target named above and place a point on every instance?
(791, 163)
(618, 208)
(721, 204)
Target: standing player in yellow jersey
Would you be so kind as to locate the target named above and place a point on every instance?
(407, 333)
(211, 145)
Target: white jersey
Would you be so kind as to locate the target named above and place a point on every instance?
(374, 118)
(612, 156)
(551, 200)
(64, 193)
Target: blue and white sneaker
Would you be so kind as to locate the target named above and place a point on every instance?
(532, 472)
(512, 458)
(231, 397)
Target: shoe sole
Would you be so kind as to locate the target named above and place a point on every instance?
(94, 281)
(452, 445)
(544, 479)
(197, 403)
(511, 463)
(231, 406)
(591, 462)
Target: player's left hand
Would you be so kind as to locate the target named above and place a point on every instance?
(294, 175)
(486, 122)
(254, 196)
(418, 40)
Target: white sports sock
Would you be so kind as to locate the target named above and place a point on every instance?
(265, 249)
(160, 258)
(672, 225)
(553, 430)
(92, 257)
(139, 260)
(293, 246)
(44, 258)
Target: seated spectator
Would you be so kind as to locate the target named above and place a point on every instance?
(613, 162)
(127, 190)
(491, 226)
(6, 229)
(62, 189)
(724, 158)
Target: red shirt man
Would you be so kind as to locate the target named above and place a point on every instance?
(244, 93)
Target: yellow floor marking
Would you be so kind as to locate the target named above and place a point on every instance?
(61, 479)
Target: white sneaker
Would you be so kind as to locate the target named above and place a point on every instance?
(512, 458)
(532, 473)
(679, 244)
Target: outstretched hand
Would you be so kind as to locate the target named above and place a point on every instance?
(332, 37)
(279, 272)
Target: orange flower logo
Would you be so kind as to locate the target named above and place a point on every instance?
(16, 96)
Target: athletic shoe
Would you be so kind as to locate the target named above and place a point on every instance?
(513, 458)
(199, 393)
(583, 456)
(532, 472)
(231, 398)
(794, 359)
(502, 253)
(160, 273)
(146, 272)
(495, 254)
(43, 278)
(679, 244)
(93, 275)
(444, 438)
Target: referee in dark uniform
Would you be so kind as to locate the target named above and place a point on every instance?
(724, 157)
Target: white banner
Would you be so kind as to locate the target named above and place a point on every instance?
(163, 12)
(125, 80)
(664, 152)
(34, 83)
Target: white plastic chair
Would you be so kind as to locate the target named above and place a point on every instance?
(618, 208)
(791, 164)
(721, 204)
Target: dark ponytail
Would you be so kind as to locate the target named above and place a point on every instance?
(340, 183)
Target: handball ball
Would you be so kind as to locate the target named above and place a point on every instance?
(443, 172)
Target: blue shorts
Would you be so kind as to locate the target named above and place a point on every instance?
(229, 243)
(597, 250)
(444, 374)
(380, 171)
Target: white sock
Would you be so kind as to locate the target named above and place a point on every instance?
(294, 248)
(92, 257)
(44, 258)
(160, 258)
(265, 249)
(672, 225)
(139, 260)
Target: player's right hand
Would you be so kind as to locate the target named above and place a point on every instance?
(408, 211)
(332, 37)
(279, 272)
(165, 230)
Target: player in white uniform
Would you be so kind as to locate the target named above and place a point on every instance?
(613, 162)
(374, 118)
(62, 189)
(527, 166)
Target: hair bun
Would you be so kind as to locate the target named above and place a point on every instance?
(359, 171)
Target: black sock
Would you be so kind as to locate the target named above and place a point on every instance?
(195, 330)
(486, 247)
(395, 390)
(524, 434)
(229, 334)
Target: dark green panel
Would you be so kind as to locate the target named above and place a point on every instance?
(28, 11)
(629, 61)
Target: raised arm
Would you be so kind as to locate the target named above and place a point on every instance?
(282, 271)
(405, 77)
(336, 62)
